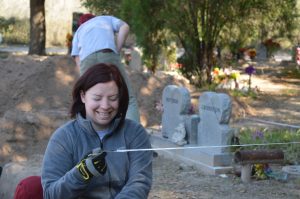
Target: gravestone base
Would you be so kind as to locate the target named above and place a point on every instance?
(208, 161)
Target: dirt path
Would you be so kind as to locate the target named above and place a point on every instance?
(278, 99)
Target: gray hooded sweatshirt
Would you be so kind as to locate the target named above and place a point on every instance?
(128, 175)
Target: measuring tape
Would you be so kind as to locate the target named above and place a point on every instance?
(199, 147)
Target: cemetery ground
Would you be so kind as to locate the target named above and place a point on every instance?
(35, 97)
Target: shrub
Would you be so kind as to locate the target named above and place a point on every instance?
(15, 31)
(270, 137)
(5, 24)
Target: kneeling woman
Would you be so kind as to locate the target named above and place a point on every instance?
(80, 161)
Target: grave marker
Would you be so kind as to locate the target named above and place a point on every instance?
(209, 128)
(213, 128)
(176, 103)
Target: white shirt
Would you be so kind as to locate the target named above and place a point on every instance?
(95, 34)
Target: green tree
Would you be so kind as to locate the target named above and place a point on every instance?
(5, 23)
(145, 21)
(200, 26)
(103, 7)
(266, 20)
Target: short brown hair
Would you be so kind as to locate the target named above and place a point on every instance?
(99, 73)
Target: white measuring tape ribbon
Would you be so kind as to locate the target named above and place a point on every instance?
(200, 147)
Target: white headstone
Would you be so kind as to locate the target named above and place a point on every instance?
(176, 103)
(213, 128)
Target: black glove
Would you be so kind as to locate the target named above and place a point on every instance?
(92, 164)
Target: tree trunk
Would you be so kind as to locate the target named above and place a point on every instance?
(209, 61)
(37, 27)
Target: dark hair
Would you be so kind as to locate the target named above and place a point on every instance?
(84, 18)
(99, 73)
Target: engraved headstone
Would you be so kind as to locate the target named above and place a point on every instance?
(213, 128)
(176, 103)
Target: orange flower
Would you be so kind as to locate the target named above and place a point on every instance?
(216, 71)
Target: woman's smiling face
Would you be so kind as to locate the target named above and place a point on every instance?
(101, 104)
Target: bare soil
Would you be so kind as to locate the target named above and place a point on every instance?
(36, 94)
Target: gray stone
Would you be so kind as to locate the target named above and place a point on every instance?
(213, 128)
(191, 126)
(205, 133)
(176, 104)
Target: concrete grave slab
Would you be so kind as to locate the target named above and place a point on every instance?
(208, 163)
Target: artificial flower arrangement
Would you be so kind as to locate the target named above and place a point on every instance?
(224, 74)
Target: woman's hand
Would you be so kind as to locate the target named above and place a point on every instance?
(93, 164)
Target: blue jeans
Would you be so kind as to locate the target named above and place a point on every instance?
(113, 58)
